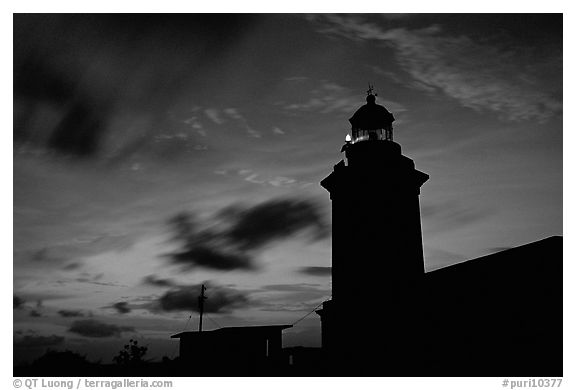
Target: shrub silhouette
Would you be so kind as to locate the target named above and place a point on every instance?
(132, 354)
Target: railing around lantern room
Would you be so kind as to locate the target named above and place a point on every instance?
(359, 135)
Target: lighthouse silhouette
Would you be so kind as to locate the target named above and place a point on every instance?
(377, 254)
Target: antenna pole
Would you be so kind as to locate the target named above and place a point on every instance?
(201, 300)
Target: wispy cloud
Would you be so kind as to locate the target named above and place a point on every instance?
(84, 247)
(517, 83)
(262, 179)
(241, 120)
(228, 115)
(152, 280)
(330, 97)
(450, 215)
(214, 115)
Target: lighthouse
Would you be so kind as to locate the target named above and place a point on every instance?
(377, 253)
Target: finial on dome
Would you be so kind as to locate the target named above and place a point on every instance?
(371, 96)
(371, 90)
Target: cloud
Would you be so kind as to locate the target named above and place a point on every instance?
(100, 96)
(237, 233)
(185, 298)
(214, 115)
(81, 248)
(316, 271)
(121, 307)
(17, 302)
(158, 282)
(292, 287)
(451, 215)
(276, 219)
(241, 120)
(70, 313)
(96, 329)
(37, 341)
(519, 83)
(50, 111)
(72, 266)
(292, 297)
(263, 179)
(35, 313)
(205, 256)
(331, 97)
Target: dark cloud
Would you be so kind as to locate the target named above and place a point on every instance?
(95, 279)
(291, 287)
(274, 220)
(238, 232)
(81, 80)
(316, 271)
(214, 258)
(35, 313)
(72, 266)
(97, 329)
(206, 249)
(158, 282)
(17, 302)
(53, 110)
(185, 298)
(122, 307)
(70, 313)
(37, 341)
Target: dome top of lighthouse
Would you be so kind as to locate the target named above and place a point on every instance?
(371, 116)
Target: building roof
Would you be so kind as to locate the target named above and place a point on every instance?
(235, 330)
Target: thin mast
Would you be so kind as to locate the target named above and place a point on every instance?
(201, 300)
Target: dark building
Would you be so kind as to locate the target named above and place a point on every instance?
(377, 255)
(247, 350)
(497, 315)
(494, 316)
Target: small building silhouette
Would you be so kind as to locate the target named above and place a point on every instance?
(232, 350)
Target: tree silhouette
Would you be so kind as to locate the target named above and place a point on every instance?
(132, 354)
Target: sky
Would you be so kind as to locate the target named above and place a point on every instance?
(154, 153)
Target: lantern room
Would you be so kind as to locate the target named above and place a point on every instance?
(371, 121)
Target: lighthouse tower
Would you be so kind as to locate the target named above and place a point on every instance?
(377, 255)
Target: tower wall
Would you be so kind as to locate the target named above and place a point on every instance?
(377, 254)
